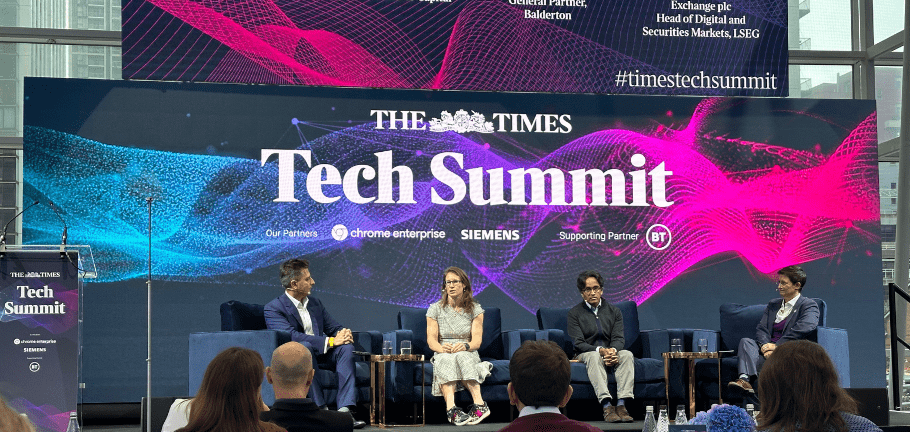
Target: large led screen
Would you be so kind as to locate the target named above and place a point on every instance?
(701, 47)
(683, 203)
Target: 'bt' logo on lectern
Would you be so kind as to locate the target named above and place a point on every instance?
(34, 366)
(658, 237)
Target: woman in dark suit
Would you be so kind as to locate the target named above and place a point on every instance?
(788, 318)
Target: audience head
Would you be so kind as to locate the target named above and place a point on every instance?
(11, 421)
(460, 291)
(291, 269)
(540, 375)
(796, 275)
(291, 371)
(229, 398)
(798, 385)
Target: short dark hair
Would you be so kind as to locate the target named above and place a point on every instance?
(798, 389)
(540, 373)
(583, 277)
(796, 274)
(290, 270)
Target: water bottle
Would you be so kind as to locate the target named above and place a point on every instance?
(73, 425)
(663, 420)
(650, 423)
(750, 409)
(681, 415)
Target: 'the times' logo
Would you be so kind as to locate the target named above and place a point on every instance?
(658, 237)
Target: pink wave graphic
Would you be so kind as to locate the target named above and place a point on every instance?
(492, 47)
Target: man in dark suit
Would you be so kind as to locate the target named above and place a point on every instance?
(596, 330)
(541, 377)
(291, 373)
(791, 317)
(304, 317)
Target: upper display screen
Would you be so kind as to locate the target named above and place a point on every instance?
(701, 47)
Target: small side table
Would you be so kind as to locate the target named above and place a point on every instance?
(377, 387)
(691, 357)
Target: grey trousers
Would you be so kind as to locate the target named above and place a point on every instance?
(750, 358)
(597, 373)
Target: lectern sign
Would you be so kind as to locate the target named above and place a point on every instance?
(39, 295)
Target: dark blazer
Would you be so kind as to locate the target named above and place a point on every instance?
(280, 314)
(802, 321)
(302, 415)
(583, 328)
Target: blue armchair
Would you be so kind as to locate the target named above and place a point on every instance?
(647, 347)
(404, 380)
(739, 321)
(243, 325)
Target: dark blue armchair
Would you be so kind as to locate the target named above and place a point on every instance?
(647, 347)
(243, 325)
(404, 380)
(739, 321)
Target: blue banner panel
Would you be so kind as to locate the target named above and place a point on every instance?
(39, 296)
(694, 201)
(697, 47)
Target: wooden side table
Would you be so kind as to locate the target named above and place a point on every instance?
(691, 357)
(377, 387)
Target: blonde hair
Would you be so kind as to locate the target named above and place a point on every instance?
(12, 421)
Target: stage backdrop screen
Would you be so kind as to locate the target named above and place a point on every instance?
(701, 47)
(682, 203)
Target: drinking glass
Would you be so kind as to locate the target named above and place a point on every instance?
(405, 347)
(676, 345)
(703, 345)
(386, 347)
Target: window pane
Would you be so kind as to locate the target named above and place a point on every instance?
(820, 25)
(39, 60)
(888, 99)
(888, 19)
(61, 14)
(821, 82)
(887, 182)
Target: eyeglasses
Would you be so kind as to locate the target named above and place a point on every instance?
(781, 283)
(591, 289)
(452, 282)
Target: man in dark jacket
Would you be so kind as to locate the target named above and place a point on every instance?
(308, 322)
(596, 330)
(291, 374)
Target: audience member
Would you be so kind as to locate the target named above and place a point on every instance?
(454, 333)
(596, 329)
(229, 397)
(540, 374)
(291, 374)
(800, 392)
(791, 317)
(11, 421)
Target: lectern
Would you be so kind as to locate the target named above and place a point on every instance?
(40, 329)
